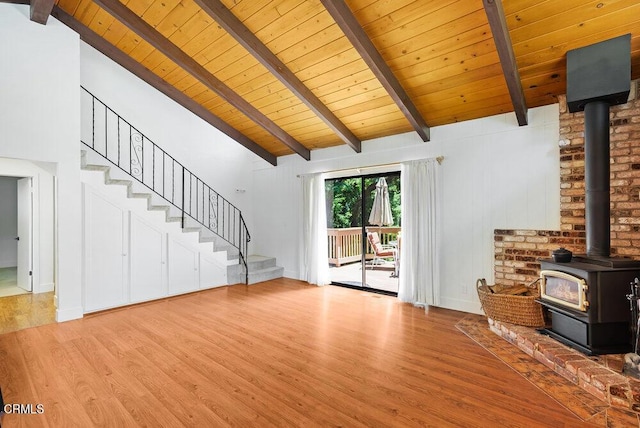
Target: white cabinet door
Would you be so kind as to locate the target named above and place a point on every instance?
(105, 253)
(183, 268)
(212, 272)
(147, 261)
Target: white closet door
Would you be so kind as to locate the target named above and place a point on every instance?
(212, 272)
(105, 253)
(147, 261)
(183, 268)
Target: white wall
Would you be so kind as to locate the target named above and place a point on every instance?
(8, 222)
(40, 121)
(218, 160)
(495, 175)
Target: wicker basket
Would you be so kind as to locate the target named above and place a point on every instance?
(521, 310)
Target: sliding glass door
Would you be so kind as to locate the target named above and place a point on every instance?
(363, 224)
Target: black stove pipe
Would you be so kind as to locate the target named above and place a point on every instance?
(597, 170)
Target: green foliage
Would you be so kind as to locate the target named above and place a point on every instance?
(344, 200)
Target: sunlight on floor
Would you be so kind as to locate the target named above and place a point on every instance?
(8, 282)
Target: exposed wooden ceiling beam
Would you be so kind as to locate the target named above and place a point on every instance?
(359, 39)
(106, 48)
(174, 53)
(40, 10)
(218, 11)
(502, 40)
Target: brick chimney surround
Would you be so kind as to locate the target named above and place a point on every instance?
(517, 251)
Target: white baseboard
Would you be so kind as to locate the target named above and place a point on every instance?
(63, 315)
(43, 288)
(8, 263)
(461, 305)
(291, 274)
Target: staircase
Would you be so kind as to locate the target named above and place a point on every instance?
(260, 269)
(127, 158)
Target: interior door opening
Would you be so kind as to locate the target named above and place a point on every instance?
(364, 231)
(15, 236)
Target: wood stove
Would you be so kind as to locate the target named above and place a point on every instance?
(596, 322)
(589, 310)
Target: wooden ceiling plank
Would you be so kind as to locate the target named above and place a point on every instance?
(246, 8)
(593, 35)
(407, 68)
(191, 30)
(85, 11)
(555, 19)
(385, 17)
(134, 67)
(159, 11)
(457, 80)
(148, 55)
(328, 56)
(306, 36)
(441, 40)
(583, 33)
(115, 32)
(101, 22)
(129, 42)
(69, 5)
(135, 23)
(356, 35)
(139, 7)
(286, 21)
(439, 28)
(415, 75)
(498, 25)
(40, 10)
(266, 18)
(183, 12)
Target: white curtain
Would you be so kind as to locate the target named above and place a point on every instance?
(315, 260)
(419, 267)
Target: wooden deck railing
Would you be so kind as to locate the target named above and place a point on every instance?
(345, 245)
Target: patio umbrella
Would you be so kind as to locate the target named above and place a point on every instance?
(381, 211)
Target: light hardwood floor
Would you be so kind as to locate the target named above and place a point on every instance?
(279, 353)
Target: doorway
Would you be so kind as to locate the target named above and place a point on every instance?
(16, 233)
(351, 227)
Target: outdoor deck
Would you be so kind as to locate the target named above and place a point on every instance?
(379, 277)
(345, 253)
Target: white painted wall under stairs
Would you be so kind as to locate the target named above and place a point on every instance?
(135, 249)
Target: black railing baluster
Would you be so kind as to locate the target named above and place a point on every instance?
(130, 150)
(106, 128)
(232, 230)
(142, 161)
(183, 197)
(118, 140)
(93, 123)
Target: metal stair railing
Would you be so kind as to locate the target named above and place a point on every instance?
(123, 145)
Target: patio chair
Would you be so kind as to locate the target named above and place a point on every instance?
(380, 251)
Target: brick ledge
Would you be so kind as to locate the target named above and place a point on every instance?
(591, 375)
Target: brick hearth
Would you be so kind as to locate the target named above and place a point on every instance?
(591, 387)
